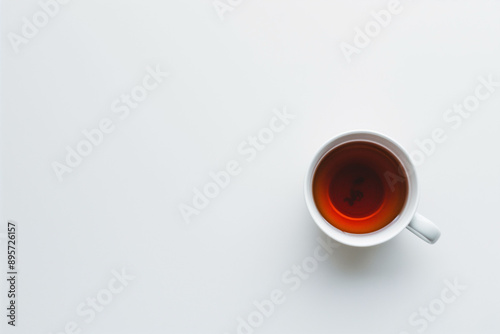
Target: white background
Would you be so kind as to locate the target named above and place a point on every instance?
(120, 207)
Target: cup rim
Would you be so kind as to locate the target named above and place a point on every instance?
(390, 230)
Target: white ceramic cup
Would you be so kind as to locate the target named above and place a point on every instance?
(408, 217)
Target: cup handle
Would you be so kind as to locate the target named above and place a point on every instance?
(424, 229)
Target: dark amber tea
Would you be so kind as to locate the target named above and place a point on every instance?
(360, 187)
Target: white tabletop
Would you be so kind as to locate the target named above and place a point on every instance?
(102, 244)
